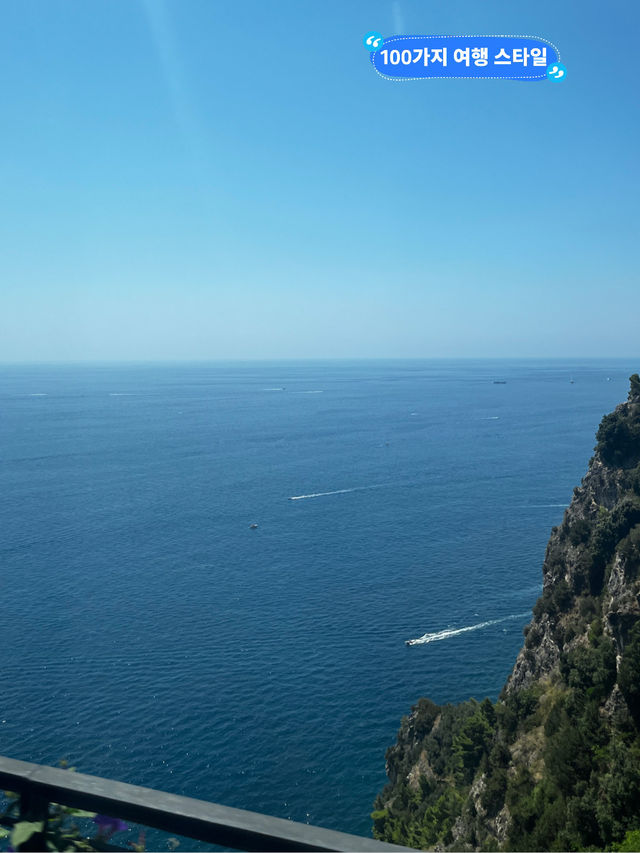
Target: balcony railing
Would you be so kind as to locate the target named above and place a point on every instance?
(39, 785)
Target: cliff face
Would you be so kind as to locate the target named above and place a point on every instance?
(555, 763)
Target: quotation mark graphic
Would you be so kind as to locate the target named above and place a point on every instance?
(373, 40)
(557, 71)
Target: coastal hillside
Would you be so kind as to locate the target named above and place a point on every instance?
(554, 764)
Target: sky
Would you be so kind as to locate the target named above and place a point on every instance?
(207, 179)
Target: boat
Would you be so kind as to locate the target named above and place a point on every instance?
(253, 526)
(499, 381)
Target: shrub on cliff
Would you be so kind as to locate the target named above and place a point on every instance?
(495, 791)
(591, 668)
(629, 547)
(629, 672)
(473, 742)
(618, 435)
(579, 531)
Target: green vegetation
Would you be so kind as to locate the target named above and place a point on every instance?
(457, 740)
(555, 763)
(630, 843)
(66, 829)
(629, 672)
(619, 433)
(569, 776)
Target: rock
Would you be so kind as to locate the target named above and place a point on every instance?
(581, 625)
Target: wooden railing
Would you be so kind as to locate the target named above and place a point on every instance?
(39, 785)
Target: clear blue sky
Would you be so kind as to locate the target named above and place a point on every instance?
(193, 179)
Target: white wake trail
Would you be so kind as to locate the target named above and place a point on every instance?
(337, 492)
(322, 494)
(453, 632)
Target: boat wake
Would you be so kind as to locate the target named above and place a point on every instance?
(453, 632)
(336, 492)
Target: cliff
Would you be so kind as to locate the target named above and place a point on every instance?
(555, 763)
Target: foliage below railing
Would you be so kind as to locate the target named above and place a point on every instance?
(63, 832)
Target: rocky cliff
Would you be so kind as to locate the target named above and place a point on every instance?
(555, 763)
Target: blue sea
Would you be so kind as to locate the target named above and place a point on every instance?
(150, 635)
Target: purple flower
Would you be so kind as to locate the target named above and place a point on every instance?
(108, 825)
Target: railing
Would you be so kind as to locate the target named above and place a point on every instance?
(39, 785)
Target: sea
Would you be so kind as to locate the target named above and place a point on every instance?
(209, 572)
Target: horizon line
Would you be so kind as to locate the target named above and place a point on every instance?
(298, 359)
